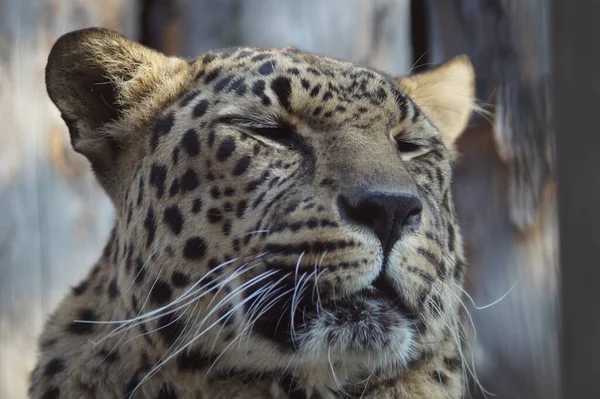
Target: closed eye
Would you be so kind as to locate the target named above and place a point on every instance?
(278, 132)
(282, 134)
(411, 147)
(407, 146)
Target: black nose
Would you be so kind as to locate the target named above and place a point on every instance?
(388, 215)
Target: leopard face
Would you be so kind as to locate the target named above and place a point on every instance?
(275, 209)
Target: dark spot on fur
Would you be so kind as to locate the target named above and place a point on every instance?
(174, 190)
(241, 208)
(294, 71)
(241, 90)
(451, 237)
(113, 289)
(150, 226)
(194, 361)
(227, 315)
(190, 143)
(162, 127)
(173, 219)
(175, 155)
(292, 388)
(196, 205)
(131, 385)
(170, 328)
(440, 377)
(54, 367)
(167, 392)
(212, 75)
(140, 271)
(77, 327)
(267, 68)
(237, 85)
(161, 293)
(52, 393)
(189, 180)
(208, 58)
(194, 248)
(227, 227)
(108, 356)
(259, 57)
(313, 71)
(242, 165)
(180, 279)
(212, 263)
(222, 84)
(215, 192)
(315, 91)
(258, 88)
(187, 98)
(211, 137)
(226, 148)
(243, 54)
(158, 176)
(81, 288)
(282, 87)
(214, 215)
(459, 269)
(140, 192)
(200, 109)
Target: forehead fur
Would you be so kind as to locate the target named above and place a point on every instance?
(294, 81)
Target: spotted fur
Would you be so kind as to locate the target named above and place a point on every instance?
(284, 227)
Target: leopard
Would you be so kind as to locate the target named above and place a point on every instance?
(284, 226)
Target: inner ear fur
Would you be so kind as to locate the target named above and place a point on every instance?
(445, 95)
(97, 77)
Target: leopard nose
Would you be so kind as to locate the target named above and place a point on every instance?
(388, 215)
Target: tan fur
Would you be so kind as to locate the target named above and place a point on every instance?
(215, 214)
(446, 95)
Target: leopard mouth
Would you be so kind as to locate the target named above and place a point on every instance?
(371, 313)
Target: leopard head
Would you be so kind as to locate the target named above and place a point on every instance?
(275, 209)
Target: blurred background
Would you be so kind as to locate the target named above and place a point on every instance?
(54, 218)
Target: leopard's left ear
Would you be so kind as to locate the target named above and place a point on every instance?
(445, 95)
(96, 77)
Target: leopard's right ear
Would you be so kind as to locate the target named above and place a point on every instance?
(96, 77)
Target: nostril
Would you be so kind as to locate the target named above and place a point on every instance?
(412, 217)
(387, 215)
(364, 213)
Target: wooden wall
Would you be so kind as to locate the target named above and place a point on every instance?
(53, 216)
(505, 188)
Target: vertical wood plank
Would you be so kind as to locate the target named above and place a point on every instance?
(576, 89)
(54, 218)
(506, 193)
(376, 32)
